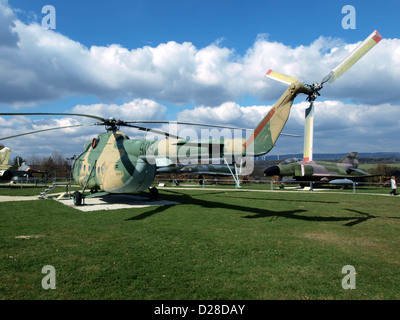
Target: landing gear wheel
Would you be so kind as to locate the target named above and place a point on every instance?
(153, 193)
(77, 198)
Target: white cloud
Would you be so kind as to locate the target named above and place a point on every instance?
(228, 113)
(39, 65)
(337, 125)
(346, 127)
(137, 109)
(70, 141)
(8, 38)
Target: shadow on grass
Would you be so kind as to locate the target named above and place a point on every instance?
(284, 200)
(251, 212)
(366, 217)
(147, 214)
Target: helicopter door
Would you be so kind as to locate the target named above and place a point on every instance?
(112, 178)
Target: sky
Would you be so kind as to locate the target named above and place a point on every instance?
(200, 61)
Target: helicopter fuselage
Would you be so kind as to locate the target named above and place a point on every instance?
(112, 162)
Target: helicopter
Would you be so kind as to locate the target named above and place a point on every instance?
(114, 163)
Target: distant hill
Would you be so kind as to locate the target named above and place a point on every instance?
(374, 156)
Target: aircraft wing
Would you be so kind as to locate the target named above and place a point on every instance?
(325, 177)
(362, 172)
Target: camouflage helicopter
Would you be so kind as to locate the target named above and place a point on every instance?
(114, 163)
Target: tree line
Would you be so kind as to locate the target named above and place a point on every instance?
(56, 164)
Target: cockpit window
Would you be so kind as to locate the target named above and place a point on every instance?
(287, 161)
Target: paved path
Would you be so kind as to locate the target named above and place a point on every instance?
(18, 198)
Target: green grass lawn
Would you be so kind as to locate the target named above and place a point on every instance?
(215, 245)
(16, 190)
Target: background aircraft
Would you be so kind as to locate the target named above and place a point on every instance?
(4, 157)
(195, 169)
(8, 174)
(343, 172)
(206, 169)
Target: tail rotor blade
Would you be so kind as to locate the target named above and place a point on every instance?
(277, 76)
(308, 133)
(353, 57)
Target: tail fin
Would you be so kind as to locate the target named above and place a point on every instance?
(268, 130)
(351, 158)
(4, 157)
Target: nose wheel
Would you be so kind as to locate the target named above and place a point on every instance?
(77, 198)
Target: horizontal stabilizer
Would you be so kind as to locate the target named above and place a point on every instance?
(359, 171)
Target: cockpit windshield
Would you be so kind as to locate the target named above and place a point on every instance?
(287, 161)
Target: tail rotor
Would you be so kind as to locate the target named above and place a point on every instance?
(313, 90)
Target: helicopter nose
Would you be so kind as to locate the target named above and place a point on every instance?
(272, 171)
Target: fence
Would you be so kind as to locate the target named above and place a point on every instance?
(349, 186)
(379, 187)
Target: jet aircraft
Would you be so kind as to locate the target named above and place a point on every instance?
(344, 172)
(114, 163)
(8, 174)
(206, 169)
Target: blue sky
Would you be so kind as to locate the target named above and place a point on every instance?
(202, 61)
(133, 23)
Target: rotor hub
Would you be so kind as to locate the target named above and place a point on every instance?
(314, 91)
(112, 124)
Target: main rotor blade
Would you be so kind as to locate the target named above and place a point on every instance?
(154, 131)
(52, 114)
(277, 76)
(50, 129)
(187, 123)
(353, 57)
(201, 125)
(290, 135)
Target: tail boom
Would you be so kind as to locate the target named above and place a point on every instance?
(263, 138)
